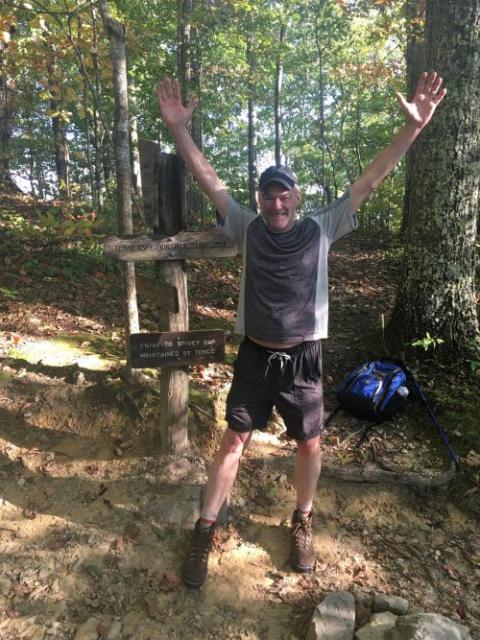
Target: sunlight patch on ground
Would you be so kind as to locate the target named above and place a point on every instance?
(58, 353)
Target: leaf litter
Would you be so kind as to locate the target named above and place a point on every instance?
(80, 543)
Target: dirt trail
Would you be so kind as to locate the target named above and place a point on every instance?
(83, 534)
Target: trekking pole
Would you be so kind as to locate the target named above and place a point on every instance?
(435, 422)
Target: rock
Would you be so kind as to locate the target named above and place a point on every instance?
(377, 626)
(88, 630)
(394, 604)
(115, 631)
(181, 507)
(428, 626)
(334, 618)
(363, 607)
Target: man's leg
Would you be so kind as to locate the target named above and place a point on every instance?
(308, 464)
(221, 478)
(307, 471)
(223, 472)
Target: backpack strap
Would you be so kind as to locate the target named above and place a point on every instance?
(366, 430)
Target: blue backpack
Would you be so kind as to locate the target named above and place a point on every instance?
(375, 391)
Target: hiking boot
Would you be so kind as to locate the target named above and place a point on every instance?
(196, 565)
(302, 553)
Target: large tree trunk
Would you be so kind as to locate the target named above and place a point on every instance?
(437, 291)
(116, 36)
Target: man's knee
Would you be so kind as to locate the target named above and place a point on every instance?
(310, 447)
(234, 442)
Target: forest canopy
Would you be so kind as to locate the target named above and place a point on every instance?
(317, 76)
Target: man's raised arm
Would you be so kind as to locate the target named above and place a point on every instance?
(418, 114)
(176, 117)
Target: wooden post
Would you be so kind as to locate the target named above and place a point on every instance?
(149, 169)
(173, 381)
(169, 246)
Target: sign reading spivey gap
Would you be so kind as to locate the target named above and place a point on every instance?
(176, 348)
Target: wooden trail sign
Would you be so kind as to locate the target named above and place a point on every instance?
(200, 244)
(168, 246)
(176, 348)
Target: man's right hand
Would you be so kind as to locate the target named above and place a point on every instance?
(176, 116)
(172, 110)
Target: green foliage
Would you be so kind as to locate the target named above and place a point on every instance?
(427, 342)
(10, 294)
(44, 248)
(474, 366)
(342, 62)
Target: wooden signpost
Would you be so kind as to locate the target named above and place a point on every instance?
(175, 347)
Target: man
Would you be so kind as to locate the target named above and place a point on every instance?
(283, 311)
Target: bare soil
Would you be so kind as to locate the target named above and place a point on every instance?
(82, 533)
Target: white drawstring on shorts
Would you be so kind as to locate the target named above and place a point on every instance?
(283, 357)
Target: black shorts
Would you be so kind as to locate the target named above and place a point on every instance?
(290, 380)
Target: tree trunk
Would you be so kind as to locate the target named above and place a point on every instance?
(437, 291)
(88, 145)
(415, 59)
(324, 146)
(58, 129)
(31, 158)
(252, 127)
(7, 89)
(198, 200)
(184, 10)
(98, 134)
(136, 174)
(173, 380)
(278, 97)
(116, 36)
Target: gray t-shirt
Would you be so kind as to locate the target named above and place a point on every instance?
(284, 285)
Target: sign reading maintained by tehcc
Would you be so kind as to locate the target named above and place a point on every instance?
(176, 348)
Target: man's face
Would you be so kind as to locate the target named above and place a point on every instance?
(278, 205)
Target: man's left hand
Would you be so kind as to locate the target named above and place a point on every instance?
(428, 95)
